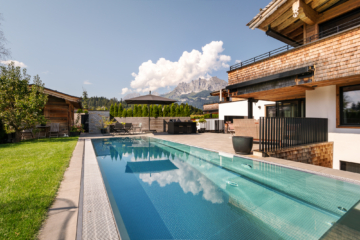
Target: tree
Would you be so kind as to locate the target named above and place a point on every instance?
(145, 112)
(166, 112)
(139, 113)
(4, 52)
(135, 110)
(182, 112)
(2, 131)
(177, 111)
(129, 113)
(151, 111)
(155, 111)
(160, 109)
(112, 111)
(187, 110)
(120, 109)
(116, 110)
(85, 99)
(172, 110)
(21, 106)
(124, 113)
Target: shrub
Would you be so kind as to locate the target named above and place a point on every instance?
(215, 116)
(207, 115)
(86, 111)
(145, 112)
(124, 113)
(129, 113)
(79, 111)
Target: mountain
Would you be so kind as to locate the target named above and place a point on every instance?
(131, 95)
(197, 92)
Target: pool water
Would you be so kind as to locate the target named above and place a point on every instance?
(165, 190)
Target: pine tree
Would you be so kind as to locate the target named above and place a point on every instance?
(187, 110)
(124, 113)
(135, 111)
(166, 112)
(120, 110)
(172, 110)
(139, 113)
(145, 112)
(182, 112)
(116, 113)
(160, 110)
(177, 111)
(151, 110)
(129, 113)
(155, 111)
(112, 111)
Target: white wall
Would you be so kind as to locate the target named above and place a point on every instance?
(321, 103)
(240, 108)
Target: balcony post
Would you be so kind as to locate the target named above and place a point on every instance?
(250, 108)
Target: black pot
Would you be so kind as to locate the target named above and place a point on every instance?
(201, 130)
(74, 134)
(103, 130)
(242, 145)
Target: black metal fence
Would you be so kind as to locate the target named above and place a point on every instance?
(278, 133)
(300, 43)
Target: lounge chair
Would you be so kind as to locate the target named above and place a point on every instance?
(139, 127)
(54, 130)
(128, 127)
(119, 128)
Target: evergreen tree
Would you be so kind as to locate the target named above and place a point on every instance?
(172, 110)
(139, 113)
(182, 111)
(166, 112)
(160, 109)
(155, 111)
(187, 110)
(116, 113)
(129, 113)
(151, 110)
(120, 110)
(124, 113)
(177, 111)
(135, 112)
(145, 112)
(112, 111)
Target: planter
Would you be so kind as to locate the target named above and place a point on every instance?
(242, 145)
(103, 130)
(74, 134)
(201, 130)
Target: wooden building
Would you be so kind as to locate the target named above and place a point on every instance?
(60, 109)
(315, 75)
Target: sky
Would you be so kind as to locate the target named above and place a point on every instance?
(112, 48)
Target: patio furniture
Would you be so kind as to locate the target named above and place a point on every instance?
(25, 132)
(139, 127)
(119, 128)
(43, 130)
(128, 127)
(231, 128)
(181, 127)
(242, 145)
(54, 130)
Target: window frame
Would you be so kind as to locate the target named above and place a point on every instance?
(341, 112)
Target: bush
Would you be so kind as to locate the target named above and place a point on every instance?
(215, 116)
(207, 115)
(86, 111)
(79, 111)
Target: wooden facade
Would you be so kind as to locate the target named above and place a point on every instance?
(60, 109)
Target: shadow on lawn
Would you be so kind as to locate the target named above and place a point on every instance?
(41, 140)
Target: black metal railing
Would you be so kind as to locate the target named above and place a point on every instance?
(328, 32)
(278, 133)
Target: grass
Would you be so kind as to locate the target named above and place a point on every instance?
(30, 175)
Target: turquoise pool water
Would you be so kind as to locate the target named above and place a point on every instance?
(164, 190)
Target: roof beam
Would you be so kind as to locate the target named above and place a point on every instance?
(339, 10)
(327, 5)
(304, 12)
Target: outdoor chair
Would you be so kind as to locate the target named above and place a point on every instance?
(54, 130)
(231, 128)
(119, 128)
(139, 127)
(26, 132)
(128, 127)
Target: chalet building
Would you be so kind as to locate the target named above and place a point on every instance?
(60, 109)
(314, 79)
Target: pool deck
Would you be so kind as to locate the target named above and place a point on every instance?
(65, 222)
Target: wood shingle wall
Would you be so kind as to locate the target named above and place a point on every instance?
(335, 57)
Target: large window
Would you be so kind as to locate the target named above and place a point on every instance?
(350, 105)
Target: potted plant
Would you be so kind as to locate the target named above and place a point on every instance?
(76, 128)
(104, 122)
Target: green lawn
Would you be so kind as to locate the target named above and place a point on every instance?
(30, 174)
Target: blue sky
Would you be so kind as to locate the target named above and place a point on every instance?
(69, 43)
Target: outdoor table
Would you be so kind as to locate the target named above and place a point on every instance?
(43, 129)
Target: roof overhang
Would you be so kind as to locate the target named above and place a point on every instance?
(270, 32)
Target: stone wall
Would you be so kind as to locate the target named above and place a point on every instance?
(335, 56)
(95, 118)
(155, 123)
(320, 154)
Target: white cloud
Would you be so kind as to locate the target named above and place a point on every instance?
(16, 63)
(237, 61)
(86, 82)
(125, 90)
(190, 66)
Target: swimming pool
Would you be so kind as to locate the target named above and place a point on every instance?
(165, 190)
